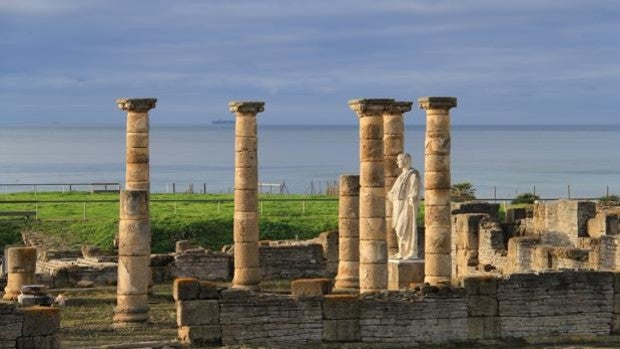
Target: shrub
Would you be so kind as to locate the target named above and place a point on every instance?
(525, 198)
(611, 200)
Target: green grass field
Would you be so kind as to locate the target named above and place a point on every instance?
(93, 218)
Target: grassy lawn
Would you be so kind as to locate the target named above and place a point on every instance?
(93, 218)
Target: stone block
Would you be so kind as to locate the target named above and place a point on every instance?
(373, 251)
(372, 202)
(137, 172)
(137, 140)
(185, 289)
(348, 207)
(341, 330)
(341, 306)
(483, 328)
(198, 312)
(308, 288)
(402, 273)
(476, 207)
(349, 185)
(200, 335)
(40, 321)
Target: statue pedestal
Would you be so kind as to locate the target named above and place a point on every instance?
(401, 273)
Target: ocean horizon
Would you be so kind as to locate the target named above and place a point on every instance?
(499, 160)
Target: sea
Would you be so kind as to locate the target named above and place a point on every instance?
(500, 161)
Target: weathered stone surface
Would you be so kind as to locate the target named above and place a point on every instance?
(253, 318)
(308, 288)
(200, 335)
(21, 260)
(185, 289)
(344, 330)
(476, 207)
(136, 104)
(402, 273)
(197, 312)
(341, 306)
(40, 321)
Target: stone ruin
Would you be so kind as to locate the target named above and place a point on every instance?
(482, 277)
(555, 235)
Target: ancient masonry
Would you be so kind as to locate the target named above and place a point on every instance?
(437, 217)
(393, 144)
(348, 233)
(247, 269)
(134, 239)
(373, 246)
(21, 265)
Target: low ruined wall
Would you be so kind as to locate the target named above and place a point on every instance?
(291, 262)
(523, 305)
(33, 327)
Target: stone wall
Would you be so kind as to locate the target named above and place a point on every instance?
(28, 328)
(562, 222)
(522, 305)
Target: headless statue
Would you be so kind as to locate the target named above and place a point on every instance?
(405, 199)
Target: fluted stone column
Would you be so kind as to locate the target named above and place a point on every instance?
(21, 264)
(348, 233)
(437, 219)
(393, 144)
(134, 229)
(137, 167)
(372, 231)
(247, 271)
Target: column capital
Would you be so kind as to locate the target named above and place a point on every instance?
(370, 106)
(246, 107)
(399, 107)
(141, 105)
(437, 102)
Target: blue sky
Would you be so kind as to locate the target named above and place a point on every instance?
(508, 62)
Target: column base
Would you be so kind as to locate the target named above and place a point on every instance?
(403, 272)
(255, 288)
(130, 318)
(438, 280)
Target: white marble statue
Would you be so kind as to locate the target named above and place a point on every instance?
(405, 199)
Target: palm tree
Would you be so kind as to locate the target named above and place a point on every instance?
(464, 191)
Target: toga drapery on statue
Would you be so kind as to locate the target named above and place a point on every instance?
(404, 196)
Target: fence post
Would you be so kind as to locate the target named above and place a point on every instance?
(607, 191)
(84, 211)
(36, 211)
(568, 187)
(204, 188)
(174, 189)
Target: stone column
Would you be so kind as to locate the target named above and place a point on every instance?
(393, 144)
(372, 230)
(137, 167)
(134, 229)
(437, 218)
(247, 271)
(21, 264)
(348, 233)
(134, 257)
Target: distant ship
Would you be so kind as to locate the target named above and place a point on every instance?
(222, 122)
